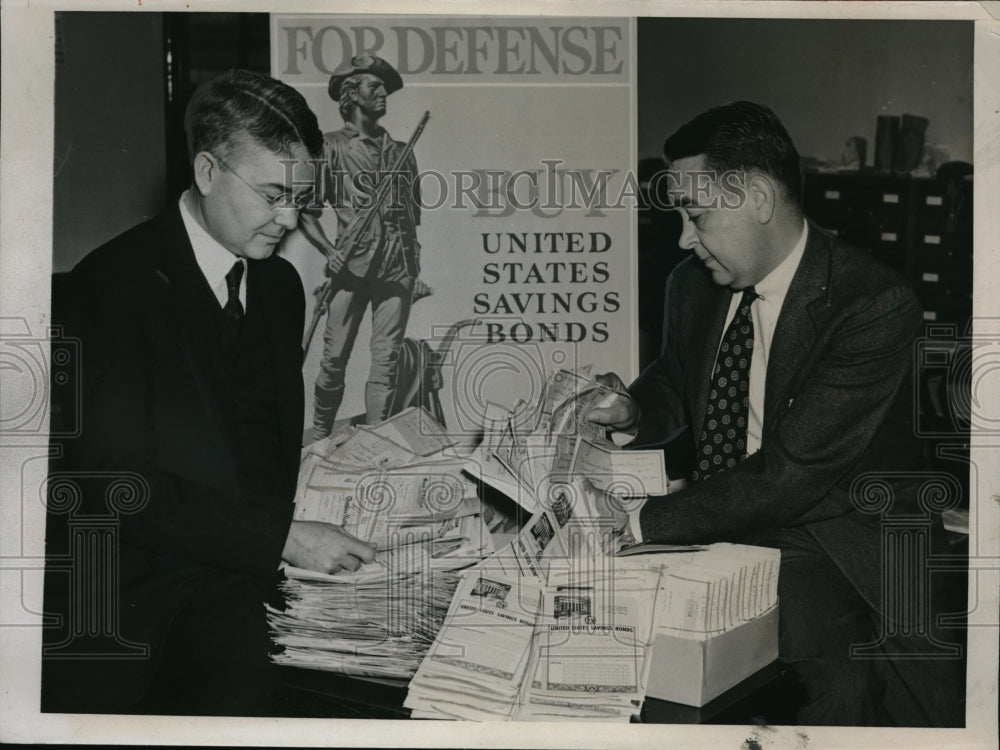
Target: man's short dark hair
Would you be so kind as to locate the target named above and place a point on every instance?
(744, 137)
(241, 101)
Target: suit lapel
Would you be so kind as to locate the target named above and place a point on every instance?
(286, 358)
(804, 312)
(186, 311)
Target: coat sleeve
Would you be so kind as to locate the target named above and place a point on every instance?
(837, 409)
(658, 391)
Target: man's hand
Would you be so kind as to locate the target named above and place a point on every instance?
(325, 548)
(334, 262)
(622, 413)
(421, 289)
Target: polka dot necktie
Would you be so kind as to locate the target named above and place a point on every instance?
(233, 307)
(723, 442)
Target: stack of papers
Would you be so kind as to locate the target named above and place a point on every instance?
(708, 592)
(376, 628)
(559, 631)
(545, 628)
(476, 667)
(551, 625)
(590, 654)
(511, 649)
(535, 636)
(397, 486)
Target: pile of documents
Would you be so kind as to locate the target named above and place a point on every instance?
(715, 620)
(397, 486)
(715, 590)
(493, 618)
(576, 641)
(590, 657)
(545, 628)
(476, 667)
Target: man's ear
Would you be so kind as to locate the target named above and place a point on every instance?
(762, 194)
(206, 171)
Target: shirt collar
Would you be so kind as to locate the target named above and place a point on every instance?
(213, 259)
(775, 285)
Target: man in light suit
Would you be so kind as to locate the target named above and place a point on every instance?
(191, 390)
(785, 375)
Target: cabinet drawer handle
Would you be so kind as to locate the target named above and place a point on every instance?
(889, 237)
(934, 200)
(933, 277)
(890, 198)
(832, 195)
(932, 239)
(930, 315)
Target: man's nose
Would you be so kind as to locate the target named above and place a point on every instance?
(287, 217)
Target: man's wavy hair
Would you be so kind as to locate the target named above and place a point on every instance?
(347, 103)
(744, 137)
(241, 101)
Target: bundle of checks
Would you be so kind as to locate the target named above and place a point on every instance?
(546, 628)
(528, 448)
(398, 486)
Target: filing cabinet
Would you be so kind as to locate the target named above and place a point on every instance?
(922, 227)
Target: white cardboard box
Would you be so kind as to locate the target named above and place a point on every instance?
(694, 671)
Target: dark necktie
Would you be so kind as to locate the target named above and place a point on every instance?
(723, 442)
(233, 307)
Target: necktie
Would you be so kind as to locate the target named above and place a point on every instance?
(723, 442)
(233, 307)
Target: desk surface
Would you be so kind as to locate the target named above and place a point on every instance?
(315, 693)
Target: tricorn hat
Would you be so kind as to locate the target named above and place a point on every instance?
(373, 65)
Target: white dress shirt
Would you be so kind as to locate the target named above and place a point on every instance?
(771, 292)
(764, 311)
(213, 259)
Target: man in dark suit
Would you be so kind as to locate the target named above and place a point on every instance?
(191, 399)
(785, 377)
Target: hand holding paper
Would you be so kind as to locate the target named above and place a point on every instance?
(621, 413)
(325, 548)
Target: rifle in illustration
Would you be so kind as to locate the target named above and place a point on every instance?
(355, 232)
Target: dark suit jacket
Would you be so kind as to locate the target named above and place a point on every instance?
(837, 404)
(155, 402)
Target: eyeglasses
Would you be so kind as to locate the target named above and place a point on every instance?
(284, 199)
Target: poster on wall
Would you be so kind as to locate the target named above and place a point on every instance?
(515, 212)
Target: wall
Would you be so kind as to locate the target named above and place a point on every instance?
(110, 162)
(826, 80)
